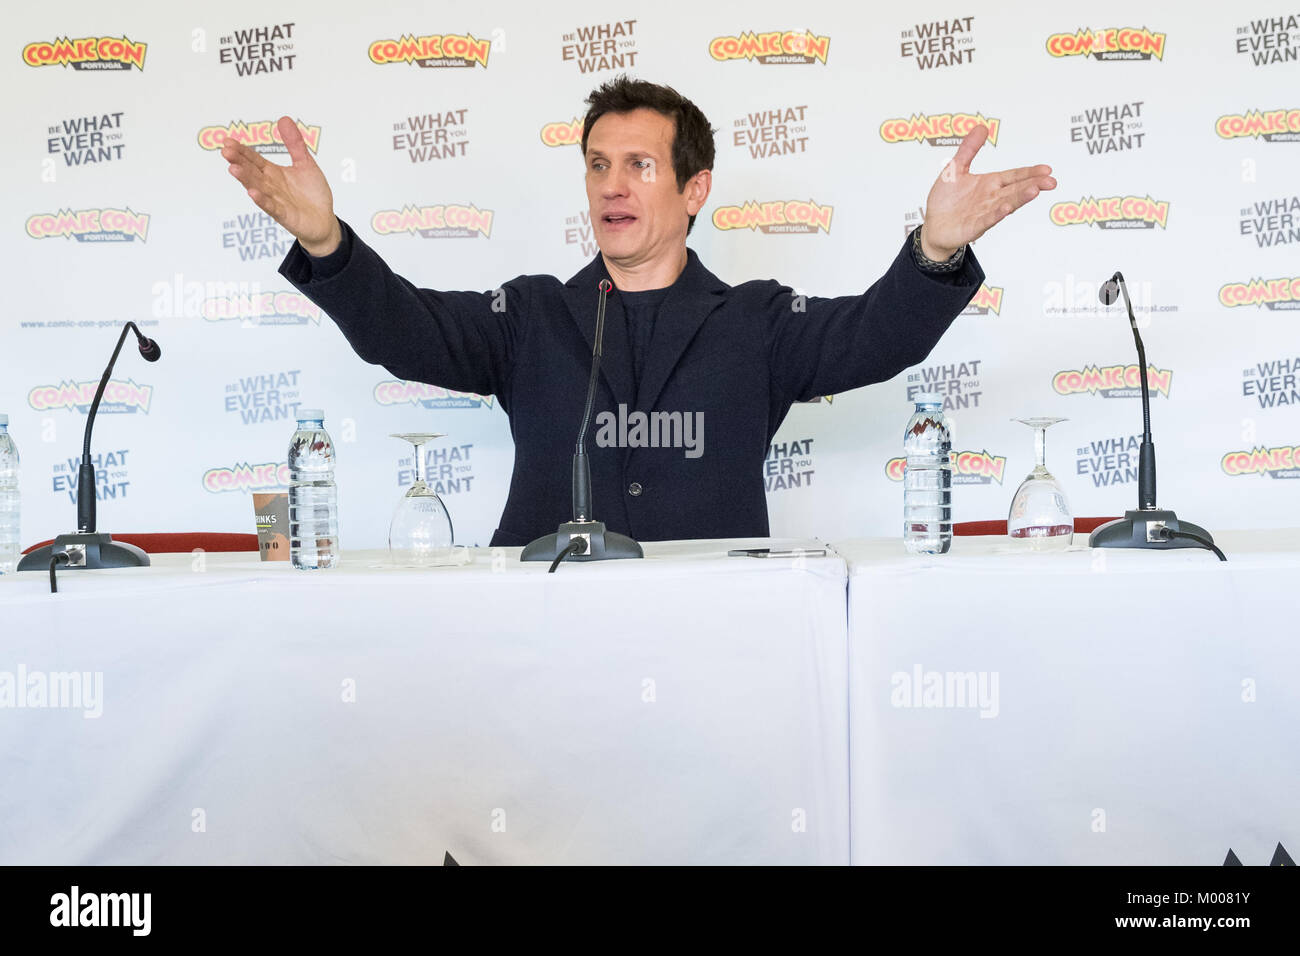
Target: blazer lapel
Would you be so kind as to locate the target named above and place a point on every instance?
(695, 294)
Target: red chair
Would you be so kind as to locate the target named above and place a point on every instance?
(1081, 526)
(180, 542)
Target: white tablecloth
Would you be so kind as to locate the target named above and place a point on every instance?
(688, 708)
(1147, 704)
(1141, 707)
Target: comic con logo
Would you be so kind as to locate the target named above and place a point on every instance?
(447, 471)
(1271, 40)
(1114, 43)
(1272, 126)
(87, 53)
(428, 136)
(958, 383)
(968, 468)
(1112, 212)
(768, 133)
(772, 48)
(90, 225)
(781, 216)
(1278, 294)
(246, 477)
(264, 397)
(1272, 222)
(986, 299)
(1109, 129)
(1273, 383)
(789, 465)
(259, 50)
(1277, 462)
(262, 308)
(1112, 381)
(119, 397)
(452, 221)
(262, 135)
(939, 43)
(601, 46)
(85, 140)
(432, 50)
(427, 396)
(938, 129)
(562, 134)
(111, 476)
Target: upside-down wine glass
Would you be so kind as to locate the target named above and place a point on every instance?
(420, 534)
(1040, 518)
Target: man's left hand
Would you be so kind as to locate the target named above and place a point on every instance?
(962, 205)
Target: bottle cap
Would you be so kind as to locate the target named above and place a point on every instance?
(310, 415)
(928, 398)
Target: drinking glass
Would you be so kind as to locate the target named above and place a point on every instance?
(420, 534)
(1040, 518)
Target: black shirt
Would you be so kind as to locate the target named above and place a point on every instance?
(640, 310)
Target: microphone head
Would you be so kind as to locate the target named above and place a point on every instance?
(605, 285)
(1109, 292)
(149, 349)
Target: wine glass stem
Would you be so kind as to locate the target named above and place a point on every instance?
(419, 455)
(1040, 448)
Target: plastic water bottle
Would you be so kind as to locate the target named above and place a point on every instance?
(927, 481)
(313, 497)
(9, 500)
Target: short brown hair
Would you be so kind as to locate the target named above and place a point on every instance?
(692, 135)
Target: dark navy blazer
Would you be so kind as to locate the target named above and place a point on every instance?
(740, 355)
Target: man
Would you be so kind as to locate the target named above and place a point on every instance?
(678, 341)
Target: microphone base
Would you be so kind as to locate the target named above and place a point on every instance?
(87, 551)
(602, 545)
(1134, 531)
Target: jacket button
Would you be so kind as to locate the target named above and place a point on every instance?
(634, 489)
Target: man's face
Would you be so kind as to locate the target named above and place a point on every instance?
(636, 211)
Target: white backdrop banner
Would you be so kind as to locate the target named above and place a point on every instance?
(448, 137)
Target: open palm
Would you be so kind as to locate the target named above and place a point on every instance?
(295, 196)
(962, 205)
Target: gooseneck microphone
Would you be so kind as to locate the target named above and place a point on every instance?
(581, 464)
(1110, 291)
(1148, 526)
(584, 538)
(87, 547)
(86, 473)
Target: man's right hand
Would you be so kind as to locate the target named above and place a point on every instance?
(296, 196)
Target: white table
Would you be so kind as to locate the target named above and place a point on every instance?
(1147, 708)
(688, 708)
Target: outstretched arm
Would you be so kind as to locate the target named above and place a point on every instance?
(460, 340)
(832, 345)
(823, 346)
